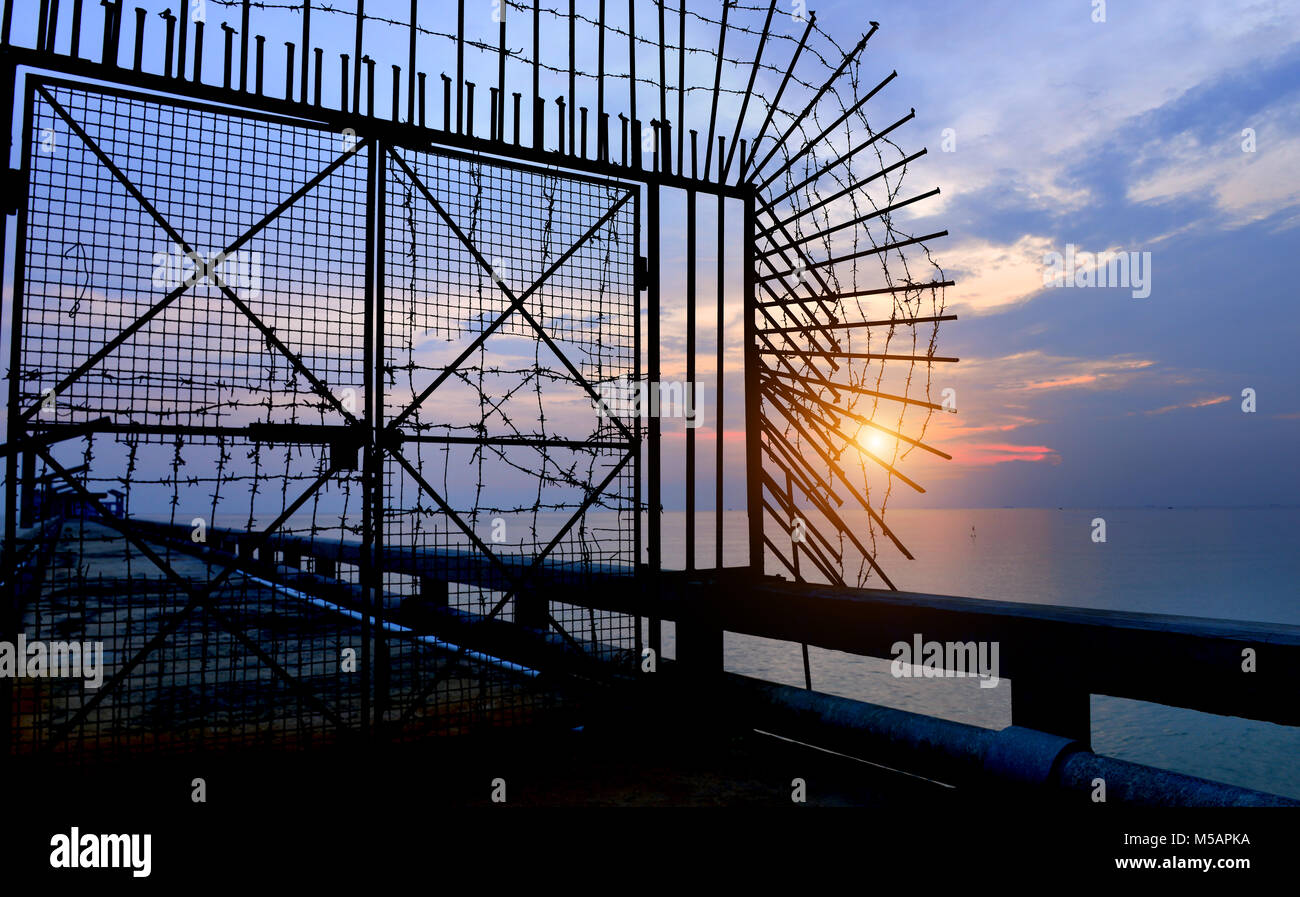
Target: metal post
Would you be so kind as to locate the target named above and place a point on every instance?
(690, 374)
(376, 423)
(753, 402)
(306, 49)
(357, 57)
(460, 62)
(653, 458)
(243, 48)
(410, 71)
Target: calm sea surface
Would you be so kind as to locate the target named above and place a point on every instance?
(1238, 564)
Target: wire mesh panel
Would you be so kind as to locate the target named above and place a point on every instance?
(167, 360)
(200, 342)
(510, 317)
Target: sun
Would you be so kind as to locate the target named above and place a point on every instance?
(874, 441)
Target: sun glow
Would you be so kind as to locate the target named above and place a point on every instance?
(874, 441)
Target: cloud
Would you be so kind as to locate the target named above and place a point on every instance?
(992, 277)
(1037, 371)
(1198, 403)
(986, 454)
(1243, 187)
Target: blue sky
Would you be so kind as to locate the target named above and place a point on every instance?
(1124, 134)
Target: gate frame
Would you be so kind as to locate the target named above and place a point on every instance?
(375, 442)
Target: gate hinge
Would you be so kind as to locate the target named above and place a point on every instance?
(641, 276)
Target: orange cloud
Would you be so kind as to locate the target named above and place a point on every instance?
(1199, 403)
(985, 454)
(1062, 382)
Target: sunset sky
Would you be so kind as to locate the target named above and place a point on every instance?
(1124, 135)
(1120, 135)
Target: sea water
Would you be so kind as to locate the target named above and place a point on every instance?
(1232, 564)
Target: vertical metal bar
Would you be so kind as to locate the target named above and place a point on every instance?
(229, 56)
(753, 403)
(631, 65)
(117, 28)
(382, 668)
(52, 33)
(16, 425)
(366, 559)
(583, 123)
(681, 82)
(573, 75)
(137, 62)
(460, 60)
(690, 378)
(7, 22)
(637, 448)
(446, 102)
(794, 543)
(600, 73)
(539, 123)
(663, 87)
(410, 71)
(344, 76)
(559, 108)
(319, 53)
(42, 23)
(370, 86)
(171, 46)
(421, 88)
(182, 48)
(795, 546)
(517, 96)
(653, 458)
(720, 386)
(397, 91)
(27, 503)
(469, 108)
(356, 57)
(243, 47)
(288, 70)
(74, 49)
(501, 73)
(259, 66)
(494, 108)
(198, 52)
(306, 49)
(537, 60)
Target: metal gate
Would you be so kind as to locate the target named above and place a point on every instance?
(309, 347)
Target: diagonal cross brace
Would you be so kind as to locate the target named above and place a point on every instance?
(528, 572)
(516, 302)
(198, 597)
(167, 300)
